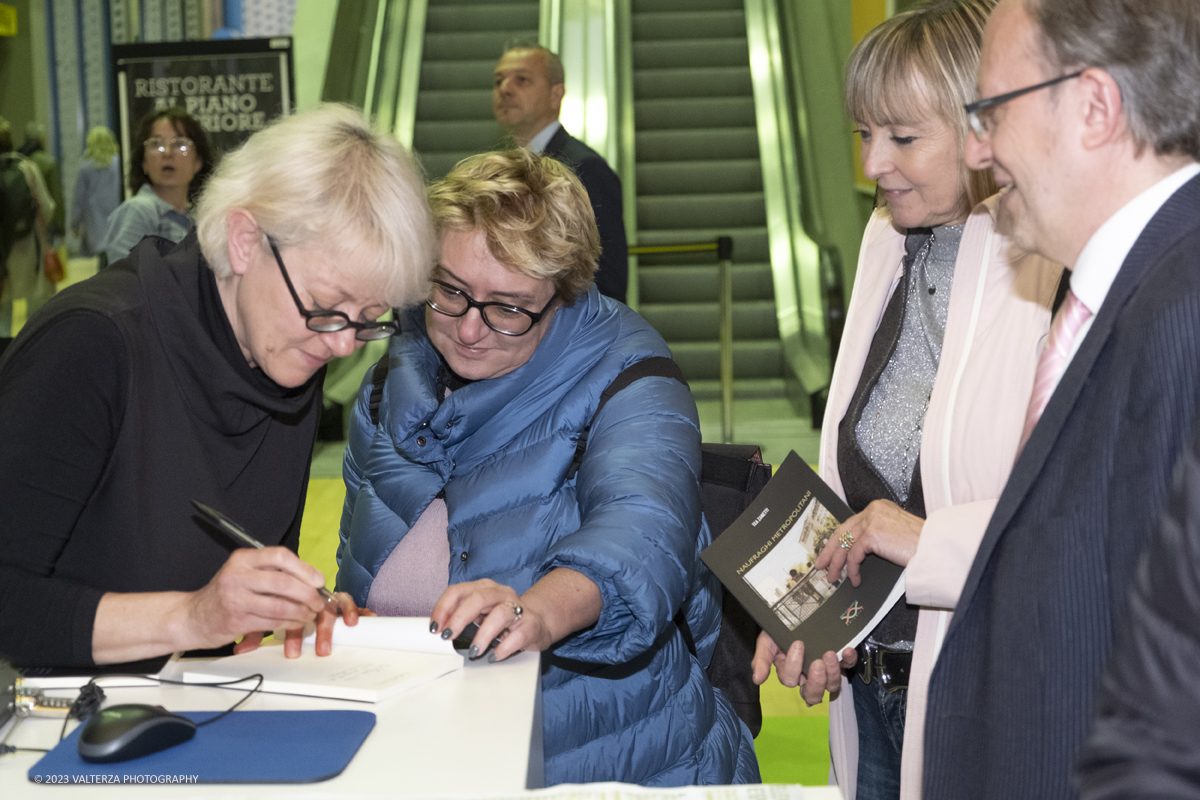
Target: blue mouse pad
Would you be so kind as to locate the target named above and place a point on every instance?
(245, 747)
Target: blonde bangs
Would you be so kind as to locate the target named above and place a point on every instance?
(921, 63)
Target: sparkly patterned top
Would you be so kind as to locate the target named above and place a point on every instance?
(889, 431)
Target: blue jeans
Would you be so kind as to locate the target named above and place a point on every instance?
(880, 718)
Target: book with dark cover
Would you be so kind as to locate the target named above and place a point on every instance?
(765, 560)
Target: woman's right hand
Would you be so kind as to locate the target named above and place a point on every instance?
(562, 602)
(824, 674)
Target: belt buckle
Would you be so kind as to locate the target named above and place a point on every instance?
(872, 666)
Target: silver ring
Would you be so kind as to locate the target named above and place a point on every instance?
(517, 612)
(846, 541)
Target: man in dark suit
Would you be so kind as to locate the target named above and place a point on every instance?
(1091, 120)
(527, 92)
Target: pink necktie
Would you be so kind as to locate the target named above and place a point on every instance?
(1053, 363)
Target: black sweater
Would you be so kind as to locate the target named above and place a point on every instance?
(125, 398)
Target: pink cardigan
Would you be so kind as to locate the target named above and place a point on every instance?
(997, 323)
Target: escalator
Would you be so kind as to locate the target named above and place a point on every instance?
(698, 176)
(463, 41)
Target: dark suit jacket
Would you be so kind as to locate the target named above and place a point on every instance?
(1145, 742)
(604, 189)
(1012, 695)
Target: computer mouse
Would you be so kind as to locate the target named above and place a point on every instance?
(119, 733)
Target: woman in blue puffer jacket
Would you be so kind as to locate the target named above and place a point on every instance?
(459, 506)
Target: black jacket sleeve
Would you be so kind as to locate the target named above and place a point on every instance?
(61, 404)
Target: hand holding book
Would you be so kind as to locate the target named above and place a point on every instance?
(824, 673)
(769, 559)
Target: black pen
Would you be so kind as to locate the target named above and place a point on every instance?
(239, 533)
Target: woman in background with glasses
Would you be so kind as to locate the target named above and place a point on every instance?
(193, 372)
(167, 170)
(461, 504)
(929, 394)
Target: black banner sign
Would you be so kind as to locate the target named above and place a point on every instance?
(232, 87)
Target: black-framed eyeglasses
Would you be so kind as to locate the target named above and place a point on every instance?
(180, 145)
(333, 321)
(979, 113)
(500, 317)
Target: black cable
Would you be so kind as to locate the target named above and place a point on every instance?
(222, 685)
(91, 696)
(5, 749)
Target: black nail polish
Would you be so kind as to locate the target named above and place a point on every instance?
(473, 653)
(447, 633)
(433, 627)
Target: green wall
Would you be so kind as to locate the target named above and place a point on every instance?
(24, 84)
(312, 34)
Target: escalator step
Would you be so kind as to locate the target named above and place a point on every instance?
(723, 52)
(462, 17)
(660, 6)
(701, 112)
(475, 104)
(689, 25)
(650, 84)
(685, 211)
(698, 283)
(680, 177)
(468, 136)
(473, 45)
(697, 145)
(440, 75)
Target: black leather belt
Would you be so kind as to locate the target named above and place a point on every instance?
(889, 665)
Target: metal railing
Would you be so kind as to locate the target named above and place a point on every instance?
(723, 246)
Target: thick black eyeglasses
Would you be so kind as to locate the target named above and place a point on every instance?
(980, 112)
(500, 317)
(333, 321)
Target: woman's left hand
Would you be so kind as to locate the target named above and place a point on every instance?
(561, 603)
(882, 528)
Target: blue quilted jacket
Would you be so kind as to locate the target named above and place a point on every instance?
(623, 700)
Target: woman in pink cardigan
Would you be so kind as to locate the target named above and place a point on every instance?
(928, 398)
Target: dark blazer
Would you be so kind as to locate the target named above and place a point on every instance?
(1012, 695)
(1145, 742)
(604, 189)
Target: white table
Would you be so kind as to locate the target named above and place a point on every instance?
(477, 730)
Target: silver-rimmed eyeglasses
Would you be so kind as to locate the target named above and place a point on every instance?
(980, 112)
(500, 317)
(323, 321)
(180, 145)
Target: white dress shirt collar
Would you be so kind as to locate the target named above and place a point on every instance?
(538, 143)
(1105, 252)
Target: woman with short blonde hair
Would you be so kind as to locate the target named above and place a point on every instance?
(464, 501)
(533, 211)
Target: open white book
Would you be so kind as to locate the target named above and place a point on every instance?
(378, 658)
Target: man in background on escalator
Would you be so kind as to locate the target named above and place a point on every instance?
(527, 92)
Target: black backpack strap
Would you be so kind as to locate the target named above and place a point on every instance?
(378, 378)
(655, 366)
